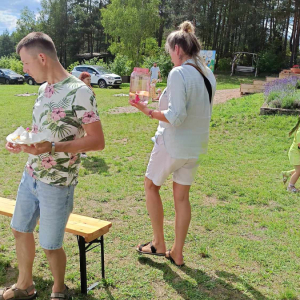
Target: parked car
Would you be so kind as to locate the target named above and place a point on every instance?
(29, 79)
(99, 75)
(8, 76)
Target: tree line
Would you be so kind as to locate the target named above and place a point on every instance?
(137, 28)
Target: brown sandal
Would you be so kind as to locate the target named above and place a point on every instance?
(18, 293)
(62, 295)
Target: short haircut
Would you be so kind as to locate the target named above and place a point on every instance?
(40, 41)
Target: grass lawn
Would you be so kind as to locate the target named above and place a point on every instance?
(243, 220)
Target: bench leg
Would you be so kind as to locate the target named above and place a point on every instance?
(82, 256)
(102, 256)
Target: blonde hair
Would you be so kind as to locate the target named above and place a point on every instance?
(186, 39)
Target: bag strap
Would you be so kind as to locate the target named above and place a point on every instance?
(206, 81)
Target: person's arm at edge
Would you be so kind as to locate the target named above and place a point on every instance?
(92, 141)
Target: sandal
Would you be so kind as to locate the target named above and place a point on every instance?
(62, 295)
(153, 250)
(18, 293)
(170, 258)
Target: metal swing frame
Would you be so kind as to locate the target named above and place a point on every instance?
(244, 69)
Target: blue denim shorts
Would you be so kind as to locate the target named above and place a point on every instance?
(51, 204)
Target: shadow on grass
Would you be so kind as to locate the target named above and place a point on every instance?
(207, 287)
(9, 277)
(95, 164)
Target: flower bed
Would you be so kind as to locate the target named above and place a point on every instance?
(283, 93)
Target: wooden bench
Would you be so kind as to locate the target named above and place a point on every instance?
(89, 232)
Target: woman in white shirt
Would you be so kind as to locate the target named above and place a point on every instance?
(182, 135)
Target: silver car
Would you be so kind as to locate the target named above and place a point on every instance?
(99, 75)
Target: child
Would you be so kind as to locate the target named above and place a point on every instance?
(152, 89)
(158, 95)
(294, 157)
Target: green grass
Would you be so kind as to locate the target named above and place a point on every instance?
(243, 241)
(225, 81)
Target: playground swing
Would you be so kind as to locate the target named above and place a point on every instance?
(238, 56)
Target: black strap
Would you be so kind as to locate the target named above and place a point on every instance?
(206, 81)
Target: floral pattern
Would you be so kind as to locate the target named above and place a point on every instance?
(63, 108)
(58, 113)
(49, 90)
(35, 129)
(89, 117)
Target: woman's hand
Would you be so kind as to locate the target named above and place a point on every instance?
(13, 148)
(140, 106)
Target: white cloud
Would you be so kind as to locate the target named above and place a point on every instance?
(7, 21)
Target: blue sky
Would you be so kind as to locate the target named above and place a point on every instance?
(10, 12)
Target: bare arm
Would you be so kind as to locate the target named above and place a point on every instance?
(92, 141)
(156, 114)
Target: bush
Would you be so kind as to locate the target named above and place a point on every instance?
(121, 65)
(72, 66)
(288, 101)
(95, 62)
(11, 63)
(271, 62)
(283, 93)
(163, 62)
(224, 64)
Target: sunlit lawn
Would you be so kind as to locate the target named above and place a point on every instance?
(242, 217)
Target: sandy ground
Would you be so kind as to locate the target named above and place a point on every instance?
(221, 96)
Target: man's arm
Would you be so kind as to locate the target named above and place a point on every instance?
(92, 141)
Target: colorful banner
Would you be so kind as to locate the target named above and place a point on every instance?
(210, 58)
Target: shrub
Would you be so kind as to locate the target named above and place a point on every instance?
(287, 101)
(283, 93)
(224, 64)
(275, 103)
(121, 65)
(72, 66)
(95, 62)
(163, 61)
(270, 61)
(11, 63)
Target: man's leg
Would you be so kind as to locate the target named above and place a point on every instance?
(57, 260)
(25, 248)
(56, 204)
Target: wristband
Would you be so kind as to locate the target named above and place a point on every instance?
(150, 113)
(52, 148)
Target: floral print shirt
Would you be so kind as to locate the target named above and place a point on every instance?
(63, 108)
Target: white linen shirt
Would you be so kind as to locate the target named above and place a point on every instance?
(185, 104)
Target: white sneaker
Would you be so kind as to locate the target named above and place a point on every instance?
(83, 155)
(292, 189)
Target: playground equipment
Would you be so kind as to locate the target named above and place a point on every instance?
(241, 57)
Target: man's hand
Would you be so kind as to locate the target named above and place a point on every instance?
(37, 149)
(13, 148)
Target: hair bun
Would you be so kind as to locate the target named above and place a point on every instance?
(187, 26)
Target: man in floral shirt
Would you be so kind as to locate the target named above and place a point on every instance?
(66, 107)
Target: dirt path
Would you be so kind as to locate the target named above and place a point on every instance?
(221, 96)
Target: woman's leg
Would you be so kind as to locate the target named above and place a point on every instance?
(156, 213)
(182, 220)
